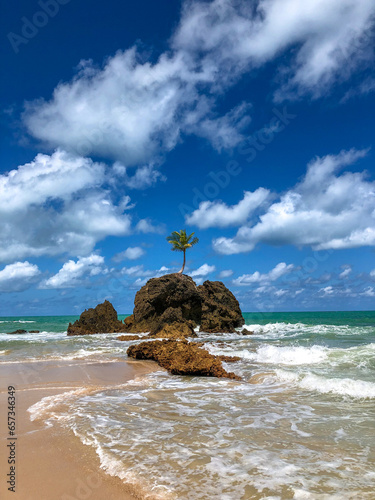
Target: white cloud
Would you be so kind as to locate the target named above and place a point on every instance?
(365, 87)
(369, 292)
(130, 111)
(345, 273)
(325, 211)
(329, 38)
(18, 276)
(372, 273)
(226, 273)
(223, 132)
(57, 204)
(131, 253)
(58, 176)
(72, 273)
(218, 214)
(139, 271)
(277, 272)
(146, 226)
(143, 177)
(204, 270)
(327, 290)
(280, 292)
(135, 111)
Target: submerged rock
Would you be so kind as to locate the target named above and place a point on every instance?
(17, 332)
(245, 331)
(174, 331)
(34, 331)
(102, 319)
(220, 309)
(182, 358)
(128, 337)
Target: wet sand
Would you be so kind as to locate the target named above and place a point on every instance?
(51, 462)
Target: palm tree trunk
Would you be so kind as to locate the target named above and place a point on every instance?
(183, 265)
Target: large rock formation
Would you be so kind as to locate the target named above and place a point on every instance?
(170, 306)
(172, 299)
(102, 319)
(173, 306)
(183, 358)
(220, 309)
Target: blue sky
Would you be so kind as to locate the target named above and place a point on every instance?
(250, 123)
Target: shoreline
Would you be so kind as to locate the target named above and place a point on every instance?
(51, 461)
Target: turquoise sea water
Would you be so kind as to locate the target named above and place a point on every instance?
(300, 425)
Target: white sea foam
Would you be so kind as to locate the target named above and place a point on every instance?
(285, 330)
(114, 467)
(340, 386)
(44, 407)
(284, 355)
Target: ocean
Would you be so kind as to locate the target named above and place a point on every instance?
(300, 425)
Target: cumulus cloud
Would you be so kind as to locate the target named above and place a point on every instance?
(226, 273)
(131, 111)
(325, 210)
(131, 253)
(277, 272)
(135, 111)
(223, 132)
(368, 292)
(346, 271)
(327, 290)
(329, 39)
(204, 270)
(18, 276)
(218, 214)
(146, 226)
(144, 177)
(57, 204)
(142, 274)
(72, 273)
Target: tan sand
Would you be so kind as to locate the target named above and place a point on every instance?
(52, 463)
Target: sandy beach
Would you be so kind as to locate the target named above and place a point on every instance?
(51, 462)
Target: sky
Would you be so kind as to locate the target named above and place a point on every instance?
(250, 123)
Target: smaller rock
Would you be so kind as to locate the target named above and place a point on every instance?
(102, 319)
(129, 337)
(174, 331)
(245, 331)
(17, 332)
(34, 331)
(181, 358)
(229, 359)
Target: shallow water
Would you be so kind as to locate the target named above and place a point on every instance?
(301, 424)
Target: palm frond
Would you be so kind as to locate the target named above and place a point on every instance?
(180, 241)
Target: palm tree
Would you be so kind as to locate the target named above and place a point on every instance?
(181, 242)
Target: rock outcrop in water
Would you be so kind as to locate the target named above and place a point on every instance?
(183, 358)
(220, 309)
(102, 319)
(169, 300)
(173, 305)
